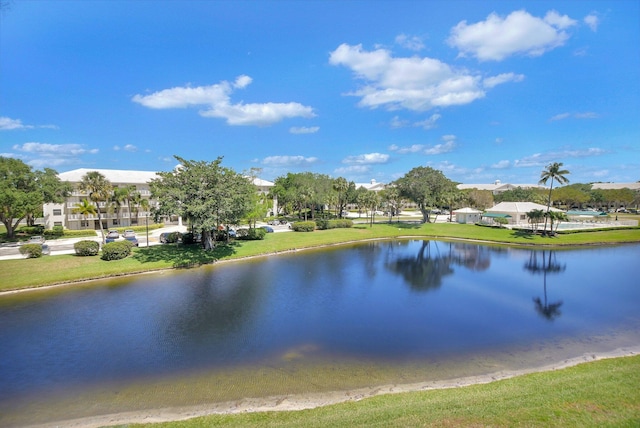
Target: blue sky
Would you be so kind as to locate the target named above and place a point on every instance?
(482, 90)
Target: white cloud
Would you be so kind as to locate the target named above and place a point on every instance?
(367, 159)
(583, 115)
(501, 164)
(414, 83)
(490, 82)
(126, 148)
(52, 155)
(8, 124)
(278, 161)
(543, 159)
(358, 169)
(413, 43)
(304, 129)
(216, 99)
(592, 21)
(430, 122)
(497, 38)
(446, 147)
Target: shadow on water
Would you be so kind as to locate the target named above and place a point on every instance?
(184, 256)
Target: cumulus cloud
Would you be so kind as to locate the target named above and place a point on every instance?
(280, 161)
(367, 159)
(413, 43)
(216, 100)
(415, 148)
(430, 122)
(592, 21)
(543, 159)
(52, 155)
(8, 124)
(304, 129)
(411, 83)
(497, 37)
(353, 169)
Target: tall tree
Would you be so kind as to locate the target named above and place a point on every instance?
(206, 193)
(427, 187)
(99, 190)
(341, 185)
(553, 172)
(23, 191)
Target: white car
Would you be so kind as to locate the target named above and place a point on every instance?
(37, 239)
(128, 234)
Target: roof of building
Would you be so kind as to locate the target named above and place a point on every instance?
(497, 186)
(467, 210)
(519, 207)
(372, 185)
(616, 186)
(115, 176)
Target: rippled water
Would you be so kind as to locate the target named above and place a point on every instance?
(386, 304)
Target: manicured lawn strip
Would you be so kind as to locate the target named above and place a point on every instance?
(596, 394)
(25, 273)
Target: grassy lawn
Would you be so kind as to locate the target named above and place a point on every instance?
(25, 273)
(596, 394)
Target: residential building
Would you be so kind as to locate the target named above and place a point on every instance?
(66, 215)
(498, 187)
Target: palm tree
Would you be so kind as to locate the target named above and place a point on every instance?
(85, 208)
(534, 218)
(99, 189)
(341, 186)
(554, 172)
(118, 197)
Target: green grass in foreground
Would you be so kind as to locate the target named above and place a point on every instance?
(597, 394)
(26, 273)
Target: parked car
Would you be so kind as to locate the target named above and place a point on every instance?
(128, 233)
(37, 239)
(132, 239)
(269, 229)
(46, 250)
(113, 234)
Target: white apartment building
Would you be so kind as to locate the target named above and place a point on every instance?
(66, 214)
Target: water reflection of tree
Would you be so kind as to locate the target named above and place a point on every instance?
(472, 256)
(425, 270)
(545, 262)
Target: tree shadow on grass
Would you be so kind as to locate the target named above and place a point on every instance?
(185, 256)
(522, 233)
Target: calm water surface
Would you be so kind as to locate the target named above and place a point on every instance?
(388, 302)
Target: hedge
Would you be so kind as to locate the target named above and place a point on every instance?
(253, 234)
(334, 224)
(86, 248)
(32, 251)
(116, 250)
(303, 226)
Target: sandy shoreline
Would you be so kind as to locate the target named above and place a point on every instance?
(314, 400)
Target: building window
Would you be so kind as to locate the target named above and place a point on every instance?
(115, 221)
(523, 216)
(57, 223)
(57, 212)
(84, 223)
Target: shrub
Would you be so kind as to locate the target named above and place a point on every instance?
(172, 237)
(188, 238)
(253, 234)
(32, 230)
(32, 251)
(56, 232)
(86, 248)
(116, 250)
(334, 224)
(304, 226)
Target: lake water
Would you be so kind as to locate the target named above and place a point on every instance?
(318, 320)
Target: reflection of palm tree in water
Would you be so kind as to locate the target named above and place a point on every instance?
(423, 271)
(545, 264)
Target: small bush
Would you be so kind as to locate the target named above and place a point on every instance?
(116, 250)
(32, 251)
(86, 248)
(253, 234)
(188, 238)
(32, 230)
(334, 224)
(304, 226)
(172, 237)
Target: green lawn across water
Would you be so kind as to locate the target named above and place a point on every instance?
(49, 270)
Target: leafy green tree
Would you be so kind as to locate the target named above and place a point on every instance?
(391, 200)
(520, 194)
(23, 191)
(206, 193)
(85, 208)
(553, 172)
(427, 187)
(99, 190)
(302, 192)
(480, 199)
